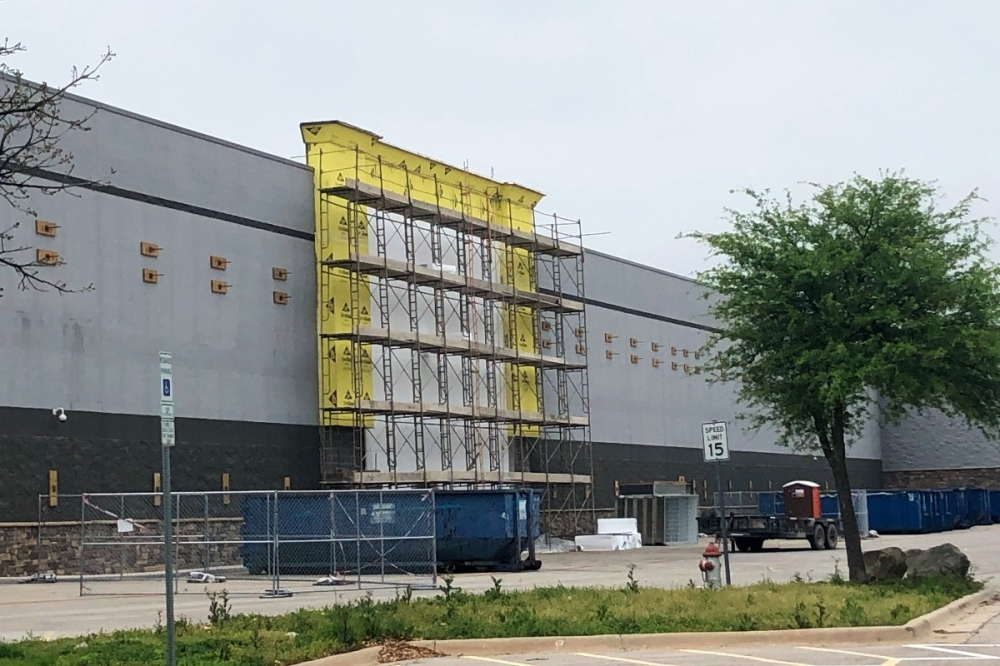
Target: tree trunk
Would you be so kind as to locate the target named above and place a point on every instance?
(836, 455)
(848, 519)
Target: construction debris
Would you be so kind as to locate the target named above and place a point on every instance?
(333, 579)
(547, 544)
(204, 577)
(612, 534)
(393, 651)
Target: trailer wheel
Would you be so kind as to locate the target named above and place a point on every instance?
(832, 536)
(742, 544)
(756, 545)
(818, 538)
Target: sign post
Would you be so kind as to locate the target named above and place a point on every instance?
(167, 440)
(715, 442)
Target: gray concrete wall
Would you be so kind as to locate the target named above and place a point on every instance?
(236, 357)
(641, 404)
(239, 357)
(645, 289)
(161, 160)
(932, 441)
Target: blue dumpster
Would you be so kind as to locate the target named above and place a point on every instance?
(995, 506)
(880, 511)
(977, 506)
(953, 512)
(384, 532)
(900, 511)
(487, 528)
(829, 506)
(937, 508)
(946, 507)
(767, 503)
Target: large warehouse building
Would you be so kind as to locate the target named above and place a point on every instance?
(372, 317)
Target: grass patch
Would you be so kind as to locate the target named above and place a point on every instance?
(226, 639)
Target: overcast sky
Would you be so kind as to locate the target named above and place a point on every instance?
(636, 116)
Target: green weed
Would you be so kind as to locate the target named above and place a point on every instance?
(837, 578)
(633, 583)
(801, 616)
(219, 608)
(496, 592)
(233, 639)
(821, 614)
(448, 589)
(852, 614)
(898, 611)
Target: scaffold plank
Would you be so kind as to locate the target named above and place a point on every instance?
(370, 195)
(466, 477)
(396, 269)
(456, 346)
(449, 411)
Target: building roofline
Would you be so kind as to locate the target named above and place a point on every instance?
(381, 140)
(102, 106)
(284, 160)
(647, 267)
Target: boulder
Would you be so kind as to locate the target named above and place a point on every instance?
(885, 564)
(943, 560)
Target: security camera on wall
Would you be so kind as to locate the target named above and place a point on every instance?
(59, 413)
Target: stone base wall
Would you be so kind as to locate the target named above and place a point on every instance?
(28, 548)
(566, 525)
(983, 477)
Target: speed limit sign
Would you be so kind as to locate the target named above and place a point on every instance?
(715, 441)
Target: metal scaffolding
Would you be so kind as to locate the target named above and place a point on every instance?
(463, 334)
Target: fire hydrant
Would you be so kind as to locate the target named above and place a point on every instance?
(711, 566)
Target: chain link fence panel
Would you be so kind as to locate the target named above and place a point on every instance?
(737, 502)
(57, 549)
(260, 543)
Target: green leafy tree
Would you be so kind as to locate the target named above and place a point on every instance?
(868, 298)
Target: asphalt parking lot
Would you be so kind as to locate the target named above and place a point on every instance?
(803, 655)
(59, 610)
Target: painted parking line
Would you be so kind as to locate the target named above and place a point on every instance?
(494, 660)
(943, 653)
(624, 660)
(852, 653)
(885, 659)
(950, 650)
(731, 655)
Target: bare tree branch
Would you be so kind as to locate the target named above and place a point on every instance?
(32, 125)
(19, 259)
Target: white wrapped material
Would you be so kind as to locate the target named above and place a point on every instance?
(608, 542)
(617, 526)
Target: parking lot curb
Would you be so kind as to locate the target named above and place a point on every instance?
(916, 629)
(937, 620)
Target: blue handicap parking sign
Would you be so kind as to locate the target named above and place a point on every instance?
(166, 388)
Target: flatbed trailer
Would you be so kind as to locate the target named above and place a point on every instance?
(749, 532)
